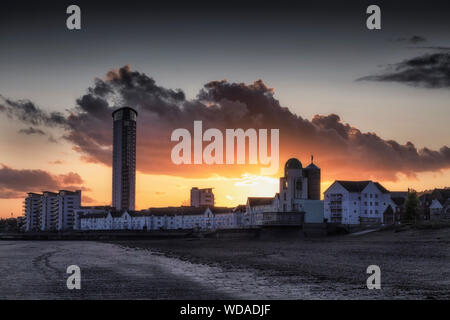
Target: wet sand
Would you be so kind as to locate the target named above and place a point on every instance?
(414, 265)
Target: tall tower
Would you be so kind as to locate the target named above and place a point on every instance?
(124, 159)
(312, 172)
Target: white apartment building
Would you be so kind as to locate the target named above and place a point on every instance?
(356, 202)
(68, 201)
(51, 210)
(32, 211)
(170, 218)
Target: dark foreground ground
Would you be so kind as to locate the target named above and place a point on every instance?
(415, 264)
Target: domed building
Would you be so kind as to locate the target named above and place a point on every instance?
(292, 185)
(297, 184)
(298, 201)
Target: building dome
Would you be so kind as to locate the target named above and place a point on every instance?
(292, 163)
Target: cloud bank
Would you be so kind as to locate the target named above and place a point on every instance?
(413, 39)
(16, 183)
(342, 150)
(428, 71)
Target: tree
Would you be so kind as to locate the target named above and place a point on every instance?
(412, 205)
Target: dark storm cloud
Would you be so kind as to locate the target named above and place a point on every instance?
(344, 150)
(428, 71)
(413, 39)
(28, 112)
(31, 131)
(437, 48)
(16, 183)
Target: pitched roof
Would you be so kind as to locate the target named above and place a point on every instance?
(353, 186)
(260, 201)
(381, 188)
(312, 166)
(359, 186)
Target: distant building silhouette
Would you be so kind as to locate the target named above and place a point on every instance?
(202, 197)
(124, 159)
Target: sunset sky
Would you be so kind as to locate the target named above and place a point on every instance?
(368, 104)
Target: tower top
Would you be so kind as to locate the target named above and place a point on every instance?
(125, 113)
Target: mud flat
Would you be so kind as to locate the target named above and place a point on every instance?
(415, 264)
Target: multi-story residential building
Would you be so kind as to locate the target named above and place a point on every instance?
(32, 211)
(357, 202)
(124, 158)
(68, 201)
(169, 218)
(49, 211)
(202, 197)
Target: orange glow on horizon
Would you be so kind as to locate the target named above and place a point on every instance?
(161, 190)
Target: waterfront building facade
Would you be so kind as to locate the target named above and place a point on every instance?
(357, 202)
(68, 201)
(50, 211)
(32, 211)
(168, 218)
